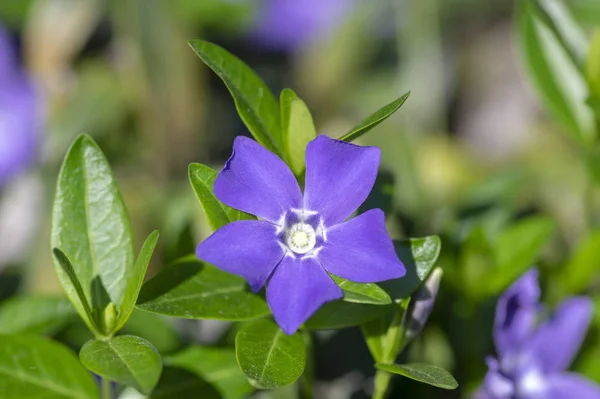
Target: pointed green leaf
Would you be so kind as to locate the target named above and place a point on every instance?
(554, 74)
(218, 366)
(581, 268)
(341, 314)
(34, 367)
(255, 103)
(91, 227)
(202, 179)
(426, 373)
(419, 256)
(195, 290)
(87, 314)
(297, 127)
(516, 249)
(179, 383)
(126, 359)
(35, 314)
(137, 275)
(593, 67)
(375, 119)
(269, 357)
(375, 332)
(362, 293)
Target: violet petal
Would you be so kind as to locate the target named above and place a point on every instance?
(571, 385)
(297, 289)
(256, 181)
(339, 177)
(361, 250)
(556, 341)
(246, 247)
(516, 313)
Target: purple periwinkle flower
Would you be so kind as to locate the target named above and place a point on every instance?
(533, 358)
(300, 238)
(292, 24)
(19, 114)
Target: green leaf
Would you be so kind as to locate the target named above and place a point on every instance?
(140, 268)
(126, 359)
(341, 314)
(269, 357)
(297, 127)
(34, 367)
(554, 74)
(195, 290)
(88, 316)
(426, 373)
(375, 332)
(375, 119)
(90, 225)
(255, 103)
(218, 366)
(35, 315)
(419, 256)
(580, 269)
(202, 179)
(162, 335)
(362, 293)
(178, 383)
(517, 249)
(593, 66)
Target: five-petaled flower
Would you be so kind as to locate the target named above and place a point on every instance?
(299, 238)
(532, 359)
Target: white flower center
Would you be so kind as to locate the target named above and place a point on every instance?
(301, 238)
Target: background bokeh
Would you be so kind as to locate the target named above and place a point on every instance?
(469, 156)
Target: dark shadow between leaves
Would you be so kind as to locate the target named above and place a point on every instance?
(168, 279)
(100, 298)
(381, 195)
(403, 287)
(176, 383)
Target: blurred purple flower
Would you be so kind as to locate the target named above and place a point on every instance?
(301, 238)
(291, 24)
(533, 359)
(20, 124)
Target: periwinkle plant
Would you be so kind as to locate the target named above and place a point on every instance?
(319, 265)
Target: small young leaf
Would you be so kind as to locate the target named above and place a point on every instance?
(179, 383)
(426, 373)
(126, 359)
(362, 293)
(35, 315)
(419, 256)
(341, 314)
(255, 103)
(554, 74)
(90, 225)
(138, 274)
(81, 302)
(297, 128)
(33, 367)
(195, 290)
(218, 366)
(268, 356)
(375, 119)
(202, 179)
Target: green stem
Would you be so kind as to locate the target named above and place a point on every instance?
(106, 391)
(394, 341)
